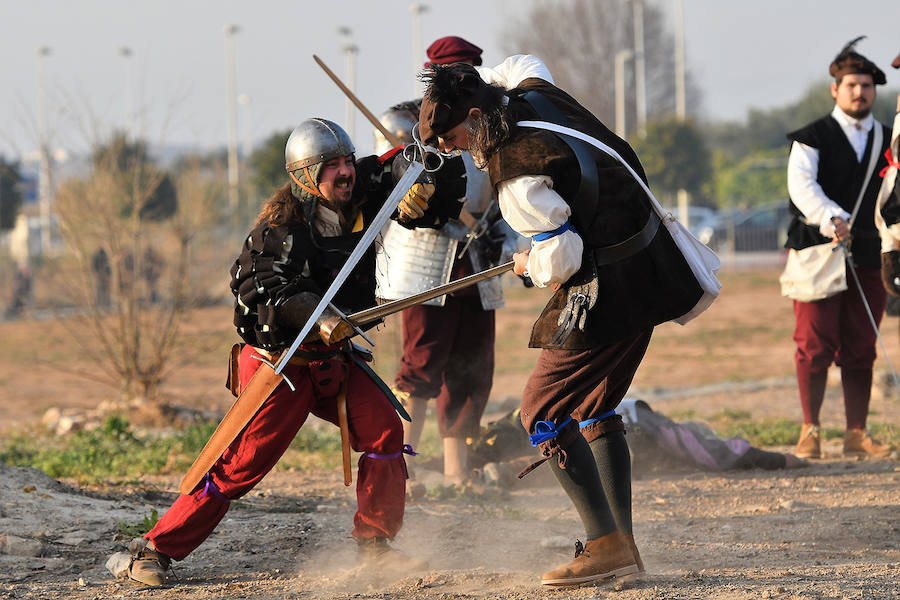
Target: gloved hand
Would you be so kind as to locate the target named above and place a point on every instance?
(414, 204)
(890, 272)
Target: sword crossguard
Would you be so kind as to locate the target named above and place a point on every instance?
(265, 361)
(417, 149)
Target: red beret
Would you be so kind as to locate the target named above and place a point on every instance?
(896, 63)
(452, 49)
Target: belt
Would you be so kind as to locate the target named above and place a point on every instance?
(631, 246)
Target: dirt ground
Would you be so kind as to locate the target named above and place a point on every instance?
(828, 531)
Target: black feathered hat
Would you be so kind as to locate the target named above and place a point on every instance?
(849, 61)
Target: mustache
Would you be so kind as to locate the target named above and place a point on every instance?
(344, 179)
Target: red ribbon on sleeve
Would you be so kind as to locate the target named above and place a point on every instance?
(892, 162)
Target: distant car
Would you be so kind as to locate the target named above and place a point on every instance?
(756, 230)
(701, 221)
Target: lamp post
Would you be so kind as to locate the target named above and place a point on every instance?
(682, 196)
(621, 57)
(128, 105)
(350, 51)
(640, 90)
(417, 8)
(45, 187)
(231, 112)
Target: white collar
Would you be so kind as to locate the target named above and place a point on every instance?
(846, 121)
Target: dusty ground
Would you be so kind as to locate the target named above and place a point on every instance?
(829, 531)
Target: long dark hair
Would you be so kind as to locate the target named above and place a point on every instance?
(282, 208)
(491, 129)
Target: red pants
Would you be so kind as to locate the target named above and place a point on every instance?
(448, 352)
(838, 330)
(374, 428)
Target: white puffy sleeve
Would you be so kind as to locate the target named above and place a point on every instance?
(890, 235)
(530, 206)
(514, 70)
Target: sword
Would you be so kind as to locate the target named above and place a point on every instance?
(848, 258)
(375, 227)
(465, 216)
(388, 308)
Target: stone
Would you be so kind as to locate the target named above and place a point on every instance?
(19, 546)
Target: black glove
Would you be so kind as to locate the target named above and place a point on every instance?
(890, 272)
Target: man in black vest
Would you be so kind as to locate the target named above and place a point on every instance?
(826, 170)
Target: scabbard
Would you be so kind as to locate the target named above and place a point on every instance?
(345, 431)
(250, 400)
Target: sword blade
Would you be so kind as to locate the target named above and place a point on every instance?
(374, 228)
(388, 308)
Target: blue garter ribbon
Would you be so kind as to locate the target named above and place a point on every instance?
(546, 235)
(606, 415)
(546, 430)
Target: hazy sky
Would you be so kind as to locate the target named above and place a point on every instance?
(759, 53)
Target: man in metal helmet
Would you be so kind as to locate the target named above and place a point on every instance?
(448, 342)
(300, 241)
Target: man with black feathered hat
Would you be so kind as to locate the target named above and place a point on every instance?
(827, 168)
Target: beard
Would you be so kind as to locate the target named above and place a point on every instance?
(859, 113)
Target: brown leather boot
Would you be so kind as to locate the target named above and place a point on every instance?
(809, 445)
(603, 558)
(376, 553)
(148, 565)
(635, 553)
(858, 443)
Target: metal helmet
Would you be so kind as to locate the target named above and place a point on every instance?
(314, 141)
(398, 121)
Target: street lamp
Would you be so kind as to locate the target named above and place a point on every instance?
(45, 187)
(417, 8)
(621, 57)
(231, 110)
(640, 90)
(680, 102)
(128, 124)
(350, 51)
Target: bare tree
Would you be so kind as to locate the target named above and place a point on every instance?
(133, 274)
(579, 39)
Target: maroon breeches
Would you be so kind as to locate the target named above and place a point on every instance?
(582, 384)
(375, 430)
(448, 352)
(837, 330)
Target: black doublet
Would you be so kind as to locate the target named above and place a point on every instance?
(840, 175)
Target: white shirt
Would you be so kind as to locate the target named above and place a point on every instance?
(803, 169)
(528, 203)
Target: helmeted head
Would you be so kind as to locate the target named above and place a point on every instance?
(319, 159)
(453, 49)
(398, 120)
(855, 78)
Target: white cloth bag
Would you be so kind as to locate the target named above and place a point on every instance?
(820, 271)
(814, 273)
(704, 263)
